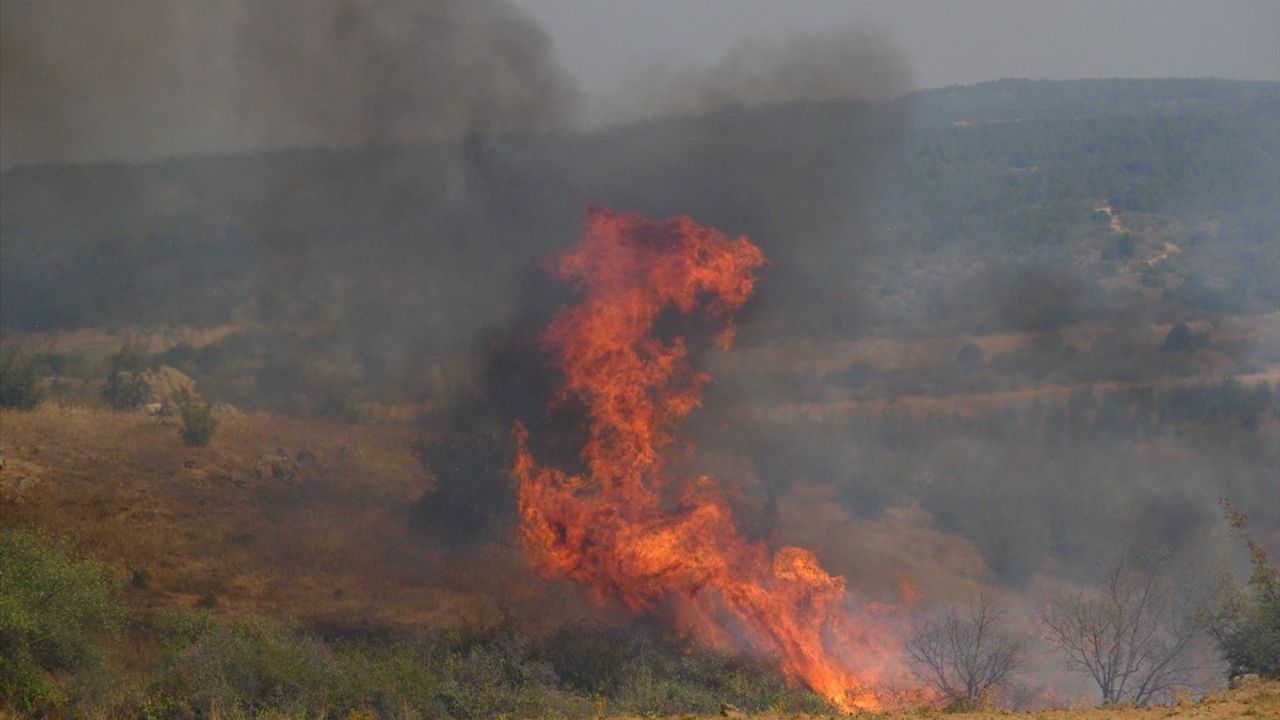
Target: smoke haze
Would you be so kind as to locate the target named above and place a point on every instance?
(953, 372)
(141, 79)
(834, 64)
(145, 79)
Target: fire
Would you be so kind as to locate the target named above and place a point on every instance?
(625, 528)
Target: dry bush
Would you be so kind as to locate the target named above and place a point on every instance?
(1132, 635)
(966, 652)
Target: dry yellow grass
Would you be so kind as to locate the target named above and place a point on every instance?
(330, 545)
(216, 521)
(333, 546)
(1260, 700)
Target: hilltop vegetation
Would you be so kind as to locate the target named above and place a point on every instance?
(1005, 168)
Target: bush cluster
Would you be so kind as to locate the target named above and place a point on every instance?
(55, 608)
(198, 422)
(1246, 624)
(20, 376)
(126, 387)
(59, 612)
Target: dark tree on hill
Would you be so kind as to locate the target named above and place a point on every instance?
(1179, 339)
(1125, 246)
(969, 355)
(965, 652)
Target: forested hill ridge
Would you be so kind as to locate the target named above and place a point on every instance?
(1012, 100)
(1011, 166)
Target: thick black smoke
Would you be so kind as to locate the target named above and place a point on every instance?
(401, 258)
(84, 80)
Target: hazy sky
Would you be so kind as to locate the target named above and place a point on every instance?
(948, 42)
(90, 80)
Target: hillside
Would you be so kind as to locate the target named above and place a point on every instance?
(1003, 331)
(1013, 166)
(1037, 267)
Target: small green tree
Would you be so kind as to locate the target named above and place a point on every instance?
(198, 422)
(1247, 623)
(20, 376)
(54, 609)
(126, 388)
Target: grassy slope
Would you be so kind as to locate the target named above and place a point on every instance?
(329, 545)
(336, 545)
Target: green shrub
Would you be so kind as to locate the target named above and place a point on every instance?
(198, 422)
(20, 376)
(496, 675)
(125, 391)
(1247, 623)
(54, 609)
(127, 388)
(590, 658)
(242, 667)
(640, 671)
(140, 579)
(252, 666)
(202, 666)
(697, 680)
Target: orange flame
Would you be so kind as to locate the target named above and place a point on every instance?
(610, 528)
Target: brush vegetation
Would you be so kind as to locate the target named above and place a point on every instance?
(20, 380)
(74, 645)
(65, 623)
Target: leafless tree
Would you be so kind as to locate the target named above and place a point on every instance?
(965, 651)
(1132, 634)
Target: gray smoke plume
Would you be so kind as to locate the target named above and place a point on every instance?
(846, 63)
(83, 80)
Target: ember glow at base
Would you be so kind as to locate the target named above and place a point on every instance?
(614, 529)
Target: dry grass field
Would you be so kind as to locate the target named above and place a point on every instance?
(305, 519)
(310, 520)
(1260, 700)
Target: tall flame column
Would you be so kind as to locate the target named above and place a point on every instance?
(607, 528)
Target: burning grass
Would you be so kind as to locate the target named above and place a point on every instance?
(612, 527)
(181, 663)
